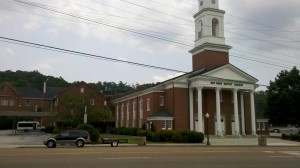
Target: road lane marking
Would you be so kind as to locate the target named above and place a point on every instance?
(123, 158)
(293, 153)
(268, 151)
(282, 156)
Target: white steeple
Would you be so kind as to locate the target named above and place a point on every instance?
(209, 23)
(208, 4)
(210, 50)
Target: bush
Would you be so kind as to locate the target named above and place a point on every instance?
(177, 138)
(89, 128)
(293, 137)
(195, 137)
(146, 133)
(155, 137)
(165, 135)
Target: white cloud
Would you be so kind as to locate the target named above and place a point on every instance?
(9, 51)
(31, 26)
(49, 64)
(158, 78)
(44, 66)
(52, 31)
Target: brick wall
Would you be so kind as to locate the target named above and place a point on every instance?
(209, 59)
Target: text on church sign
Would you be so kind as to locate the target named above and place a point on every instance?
(226, 84)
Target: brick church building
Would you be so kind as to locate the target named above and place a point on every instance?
(214, 87)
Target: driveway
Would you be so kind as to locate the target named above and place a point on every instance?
(8, 139)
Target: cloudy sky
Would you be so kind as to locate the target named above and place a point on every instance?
(265, 36)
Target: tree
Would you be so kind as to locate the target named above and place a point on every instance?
(283, 96)
(71, 110)
(261, 104)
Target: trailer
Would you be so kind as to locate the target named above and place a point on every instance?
(114, 142)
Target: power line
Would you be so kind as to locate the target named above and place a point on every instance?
(41, 46)
(112, 26)
(67, 51)
(156, 11)
(83, 18)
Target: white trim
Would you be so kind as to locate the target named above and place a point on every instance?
(160, 118)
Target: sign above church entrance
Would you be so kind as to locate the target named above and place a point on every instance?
(226, 84)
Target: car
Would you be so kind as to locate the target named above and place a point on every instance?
(74, 137)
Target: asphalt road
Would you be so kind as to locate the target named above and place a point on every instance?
(150, 157)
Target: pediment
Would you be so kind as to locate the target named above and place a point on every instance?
(230, 72)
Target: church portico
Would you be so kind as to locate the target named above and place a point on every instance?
(223, 100)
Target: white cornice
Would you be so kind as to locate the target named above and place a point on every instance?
(209, 10)
(210, 46)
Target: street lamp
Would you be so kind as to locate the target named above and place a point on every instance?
(207, 129)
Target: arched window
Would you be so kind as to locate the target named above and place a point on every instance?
(215, 27)
(200, 33)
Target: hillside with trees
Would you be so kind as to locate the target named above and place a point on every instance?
(36, 79)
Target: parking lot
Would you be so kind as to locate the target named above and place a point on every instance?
(9, 139)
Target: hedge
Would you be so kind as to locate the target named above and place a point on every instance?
(293, 137)
(162, 136)
(176, 136)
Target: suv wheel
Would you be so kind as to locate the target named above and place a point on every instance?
(80, 143)
(51, 144)
(114, 143)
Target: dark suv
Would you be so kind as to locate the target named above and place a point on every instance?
(76, 137)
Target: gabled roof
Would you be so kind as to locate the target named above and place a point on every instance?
(230, 72)
(161, 115)
(51, 92)
(224, 72)
(29, 92)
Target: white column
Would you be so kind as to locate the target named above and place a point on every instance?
(191, 109)
(236, 113)
(243, 113)
(253, 121)
(218, 111)
(200, 121)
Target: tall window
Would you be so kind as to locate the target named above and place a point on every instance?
(170, 125)
(163, 125)
(92, 101)
(122, 115)
(133, 113)
(4, 102)
(161, 101)
(200, 33)
(148, 104)
(141, 113)
(215, 27)
(11, 103)
(127, 114)
(117, 117)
